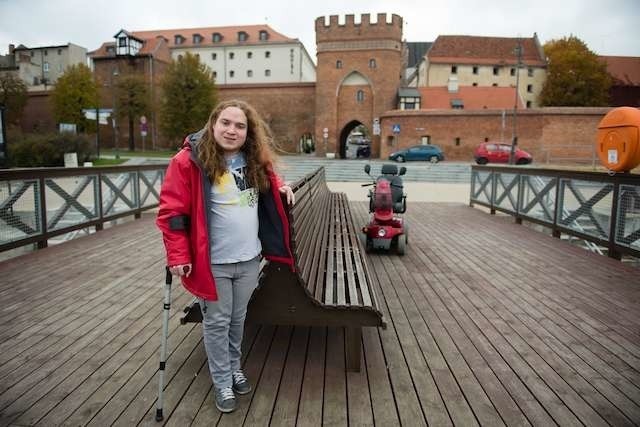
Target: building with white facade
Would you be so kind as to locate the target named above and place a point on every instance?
(40, 67)
(249, 54)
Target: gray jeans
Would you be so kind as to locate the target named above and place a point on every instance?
(223, 320)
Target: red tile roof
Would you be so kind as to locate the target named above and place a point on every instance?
(157, 47)
(473, 97)
(229, 35)
(485, 50)
(625, 70)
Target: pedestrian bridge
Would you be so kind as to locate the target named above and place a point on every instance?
(490, 322)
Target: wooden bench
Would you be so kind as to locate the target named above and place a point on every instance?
(331, 284)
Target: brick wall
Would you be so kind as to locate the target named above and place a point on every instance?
(287, 108)
(553, 134)
(37, 115)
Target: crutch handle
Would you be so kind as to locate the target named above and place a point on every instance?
(168, 278)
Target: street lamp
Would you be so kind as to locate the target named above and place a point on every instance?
(514, 141)
(114, 74)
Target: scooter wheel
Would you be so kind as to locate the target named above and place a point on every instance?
(401, 244)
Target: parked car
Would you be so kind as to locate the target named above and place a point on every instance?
(495, 152)
(429, 152)
(363, 151)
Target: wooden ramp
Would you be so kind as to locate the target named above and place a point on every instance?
(489, 323)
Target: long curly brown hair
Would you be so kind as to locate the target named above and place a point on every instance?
(257, 147)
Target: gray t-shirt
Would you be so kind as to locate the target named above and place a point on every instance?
(233, 223)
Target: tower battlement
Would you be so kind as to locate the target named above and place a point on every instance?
(365, 29)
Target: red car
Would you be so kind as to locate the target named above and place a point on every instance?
(495, 152)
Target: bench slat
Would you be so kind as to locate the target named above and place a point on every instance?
(341, 299)
(350, 260)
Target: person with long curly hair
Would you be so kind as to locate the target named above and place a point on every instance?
(221, 210)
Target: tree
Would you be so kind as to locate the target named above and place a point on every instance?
(575, 76)
(132, 101)
(75, 90)
(189, 94)
(13, 96)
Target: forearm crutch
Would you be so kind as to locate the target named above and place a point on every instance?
(166, 307)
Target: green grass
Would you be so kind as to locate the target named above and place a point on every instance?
(108, 162)
(125, 153)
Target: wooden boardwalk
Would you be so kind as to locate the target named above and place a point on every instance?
(489, 323)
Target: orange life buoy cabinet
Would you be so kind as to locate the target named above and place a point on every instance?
(618, 144)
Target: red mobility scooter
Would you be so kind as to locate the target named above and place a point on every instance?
(386, 230)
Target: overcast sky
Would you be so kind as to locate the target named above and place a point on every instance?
(609, 27)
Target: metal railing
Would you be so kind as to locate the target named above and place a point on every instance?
(41, 203)
(597, 207)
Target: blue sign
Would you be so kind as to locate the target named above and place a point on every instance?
(395, 128)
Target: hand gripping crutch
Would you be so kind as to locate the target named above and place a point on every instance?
(166, 307)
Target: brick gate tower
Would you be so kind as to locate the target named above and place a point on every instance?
(357, 78)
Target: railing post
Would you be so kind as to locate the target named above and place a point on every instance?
(615, 219)
(519, 197)
(100, 225)
(42, 243)
(493, 192)
(555, 232)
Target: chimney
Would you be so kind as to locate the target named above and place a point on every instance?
(453, 84)
(12, 48)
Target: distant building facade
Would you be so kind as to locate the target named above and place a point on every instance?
(250, 54)
(40, 67)
(625, 73)
(486, 62)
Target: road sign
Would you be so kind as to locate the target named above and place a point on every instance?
(376, 128)
(395, 128)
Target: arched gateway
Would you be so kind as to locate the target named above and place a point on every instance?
(357, 78)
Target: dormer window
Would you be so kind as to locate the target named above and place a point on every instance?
(264, 35)
(126, 44)
(242, 36)
(216, 37)
(178, 39)
(197, 39)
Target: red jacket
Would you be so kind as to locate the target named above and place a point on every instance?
(184, 200)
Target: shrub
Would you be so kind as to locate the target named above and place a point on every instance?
(38, 150)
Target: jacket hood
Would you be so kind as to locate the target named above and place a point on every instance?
(191, 141)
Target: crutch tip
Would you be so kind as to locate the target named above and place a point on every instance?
(159, 416)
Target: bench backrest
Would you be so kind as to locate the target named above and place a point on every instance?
(326, 247)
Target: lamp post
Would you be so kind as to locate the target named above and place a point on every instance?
(514, 141)
(114, 74)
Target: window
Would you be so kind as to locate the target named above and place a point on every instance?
(36, 82)
(249, 73)
(457, 104)
(530, 88)
(372, 63)
(359, 96)
(197, 39)
(264, 35)
(178, 39)
(242, 36)
(214, 56)
(46, 52)
(338, 64)
(454, 69)
(215, 74)
(474, 84)
(528, 104)
(267, 54)
(216, 37)
(496, 71)
(530, 72)
(179, 57)
(513, 71)
(33, 53)
(457, 141)
(410, 103)
(59, 51)
(495, 85)
(60, 67)
(475, 70)
(231, 55)
(45, 66)
(249, 55)
(198, 55)
(122, 42)
(425, 139)
(232, 73)
(267, 73)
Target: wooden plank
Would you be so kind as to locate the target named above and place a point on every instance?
(359, 411)
(349, 260)
(285, 408)
(334, 410)
(328, 297)
(312, 394)
(338, 233)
